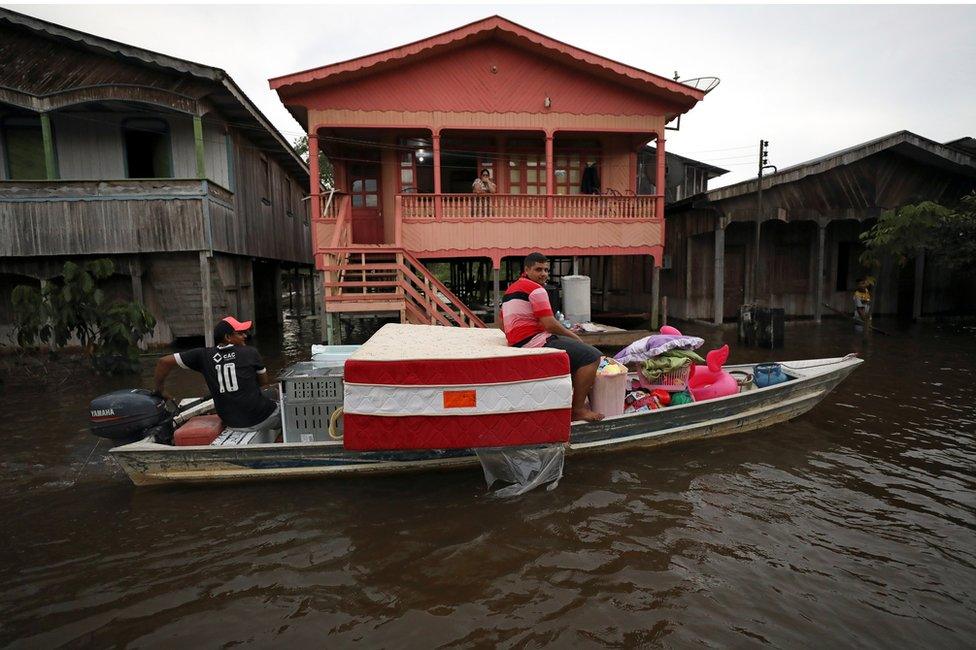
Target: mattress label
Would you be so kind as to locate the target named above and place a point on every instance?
(459, 399)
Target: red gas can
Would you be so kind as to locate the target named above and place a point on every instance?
(199, 430)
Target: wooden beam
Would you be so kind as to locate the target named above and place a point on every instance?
(718, 296)
(206, 301)
(50, 169)
(919, 285)
(818, 298)
(655, 296)
(550, 178)
(496, 293)
(198, 143)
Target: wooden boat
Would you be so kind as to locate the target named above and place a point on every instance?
(809, 382)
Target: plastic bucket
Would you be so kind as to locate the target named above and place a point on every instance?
(607, 394)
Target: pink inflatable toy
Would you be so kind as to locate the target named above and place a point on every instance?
(709, 382)
(667, 329)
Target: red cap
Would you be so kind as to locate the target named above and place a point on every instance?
(237, 325)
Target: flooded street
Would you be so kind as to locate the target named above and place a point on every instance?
(852, 526)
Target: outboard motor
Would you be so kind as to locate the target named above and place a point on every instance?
(125, 416)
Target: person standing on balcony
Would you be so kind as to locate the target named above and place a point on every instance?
(483, 185)
(528, 322)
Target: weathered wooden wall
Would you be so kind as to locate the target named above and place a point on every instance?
(270, 218)
(87, 218)
(846, 201)
(856, 191)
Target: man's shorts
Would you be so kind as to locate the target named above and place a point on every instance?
(272, 422)
(580, 354)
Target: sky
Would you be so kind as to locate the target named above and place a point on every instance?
(810, 79)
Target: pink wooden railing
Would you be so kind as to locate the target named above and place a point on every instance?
(528, 207)
(331, 209)
(417, 206)
(487, 206)
(590, 206)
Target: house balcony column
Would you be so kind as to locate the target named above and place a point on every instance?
(50, 167)
(660, 179)
(436, 138)
(314, 183)
(550, 177)
(198, 147)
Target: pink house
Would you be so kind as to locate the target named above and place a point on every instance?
(409, 129)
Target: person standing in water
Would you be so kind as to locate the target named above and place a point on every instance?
(862, 305)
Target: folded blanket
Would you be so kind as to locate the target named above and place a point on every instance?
(655, 345)
(668, 362)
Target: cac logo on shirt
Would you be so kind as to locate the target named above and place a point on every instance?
(218, 357)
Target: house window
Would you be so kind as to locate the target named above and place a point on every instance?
(24, 147)
(527, 174)
(568, 171)
(148, 153)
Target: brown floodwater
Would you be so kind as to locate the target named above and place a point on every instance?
(852, 526)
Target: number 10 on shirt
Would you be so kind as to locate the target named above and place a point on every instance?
(226, 377)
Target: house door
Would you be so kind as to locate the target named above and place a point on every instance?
(735, 280)
(367, 210)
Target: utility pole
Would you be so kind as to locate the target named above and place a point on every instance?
(763, 166)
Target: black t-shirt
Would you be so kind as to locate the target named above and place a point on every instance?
(231, 373)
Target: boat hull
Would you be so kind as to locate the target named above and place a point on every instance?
(148, 463)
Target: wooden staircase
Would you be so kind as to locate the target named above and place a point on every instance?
(390, 279)
(383, 278)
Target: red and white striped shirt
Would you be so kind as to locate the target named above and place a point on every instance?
(525, 302)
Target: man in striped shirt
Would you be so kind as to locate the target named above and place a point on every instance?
(527, 320)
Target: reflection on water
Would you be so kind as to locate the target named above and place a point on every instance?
(851, 526)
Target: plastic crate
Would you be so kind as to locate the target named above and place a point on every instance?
(311, 391)
(308, 421)
(309, 381)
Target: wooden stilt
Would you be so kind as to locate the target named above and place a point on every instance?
(206, 301)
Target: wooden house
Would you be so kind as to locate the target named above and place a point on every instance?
(409, 129)
(813, 215)
(683, 176)
(163, 165)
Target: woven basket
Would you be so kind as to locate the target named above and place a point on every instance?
(673, 381)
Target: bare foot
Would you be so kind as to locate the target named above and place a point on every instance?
(587, 415)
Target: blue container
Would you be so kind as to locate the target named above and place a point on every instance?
(768, 374)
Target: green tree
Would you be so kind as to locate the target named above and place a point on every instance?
(74, 306)
(326, 172)
(947, 232)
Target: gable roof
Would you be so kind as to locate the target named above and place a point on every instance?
(491, 27)
(904, 143)
(227, 96)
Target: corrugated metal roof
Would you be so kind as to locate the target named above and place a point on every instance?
(905, 142)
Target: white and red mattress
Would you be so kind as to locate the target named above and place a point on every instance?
(428, 387)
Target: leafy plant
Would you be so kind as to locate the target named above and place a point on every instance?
(326, 172)
(947, 232)
(73, 306)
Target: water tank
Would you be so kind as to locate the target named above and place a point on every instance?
(576, 298)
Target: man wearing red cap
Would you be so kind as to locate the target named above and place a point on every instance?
(234, 373)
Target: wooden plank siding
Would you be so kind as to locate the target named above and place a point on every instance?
(844, 199)
(100, 217)
(270, 217)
